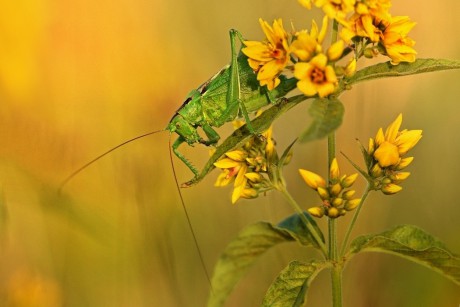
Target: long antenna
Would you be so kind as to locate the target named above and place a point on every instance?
(76, 172)
(188, 218)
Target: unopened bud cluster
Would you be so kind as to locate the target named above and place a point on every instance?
(249, 167)
(386, 159)
(337, 199)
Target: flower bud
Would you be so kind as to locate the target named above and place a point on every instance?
(237, 155)
(249, 193)
(349, 180)
(398, 177)
(376, 171)
(337, 202)
(312, 180)
(352, 204)
(335, 51)
(390, 189)
(334, 172)
(347, 195)
(336, 189)
(254, 177)
(333, 212)
(403, 163)
(316, 211)
(350, 69)
(371, 146)
(323, 193)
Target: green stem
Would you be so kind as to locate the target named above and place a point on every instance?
(355, 217)
(307, 223)
(336, 271)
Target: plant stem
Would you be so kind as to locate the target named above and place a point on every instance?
(336, 271)
(307, 223)
(355, 217)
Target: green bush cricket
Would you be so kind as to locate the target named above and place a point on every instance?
(232, 92)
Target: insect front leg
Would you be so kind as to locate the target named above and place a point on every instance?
(213, 136)
(175, 147)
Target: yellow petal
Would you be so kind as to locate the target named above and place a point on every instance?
(407, 140)
(393, 129)
(226, 163)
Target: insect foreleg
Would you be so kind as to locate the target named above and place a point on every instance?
(175, 147)
(213, 136)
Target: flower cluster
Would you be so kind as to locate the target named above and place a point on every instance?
(367, 29)
(248, 167)
(301, 53)
(386, 156)
(372, 30)
(336, 198)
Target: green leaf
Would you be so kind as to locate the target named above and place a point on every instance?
(327, 116)
(385, 70)
(414, 244)
(298, 231)
(245, 249)
(291, 286)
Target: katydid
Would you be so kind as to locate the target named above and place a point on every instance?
(232, 92)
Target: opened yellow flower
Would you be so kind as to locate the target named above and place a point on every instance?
(386, 155)
(270, 57)
(316, 76)
(336, 9)
(395, 40)
(394, 144)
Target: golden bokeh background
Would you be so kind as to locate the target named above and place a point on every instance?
(78, 77)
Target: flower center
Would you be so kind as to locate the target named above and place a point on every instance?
(317, 76)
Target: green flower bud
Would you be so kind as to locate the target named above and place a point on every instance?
(376, 171)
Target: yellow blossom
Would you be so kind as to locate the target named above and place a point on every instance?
(336, 9)
(270, 57)
(394, 143)
(316, 76)
(395, 40)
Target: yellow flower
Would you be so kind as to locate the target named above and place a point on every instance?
(386, 155)
(394, 143)
(307, 45)
(397, 44)
(270, 57)
(316, 76)
(336, 9)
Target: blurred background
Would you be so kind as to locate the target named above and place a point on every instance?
(78, 77)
